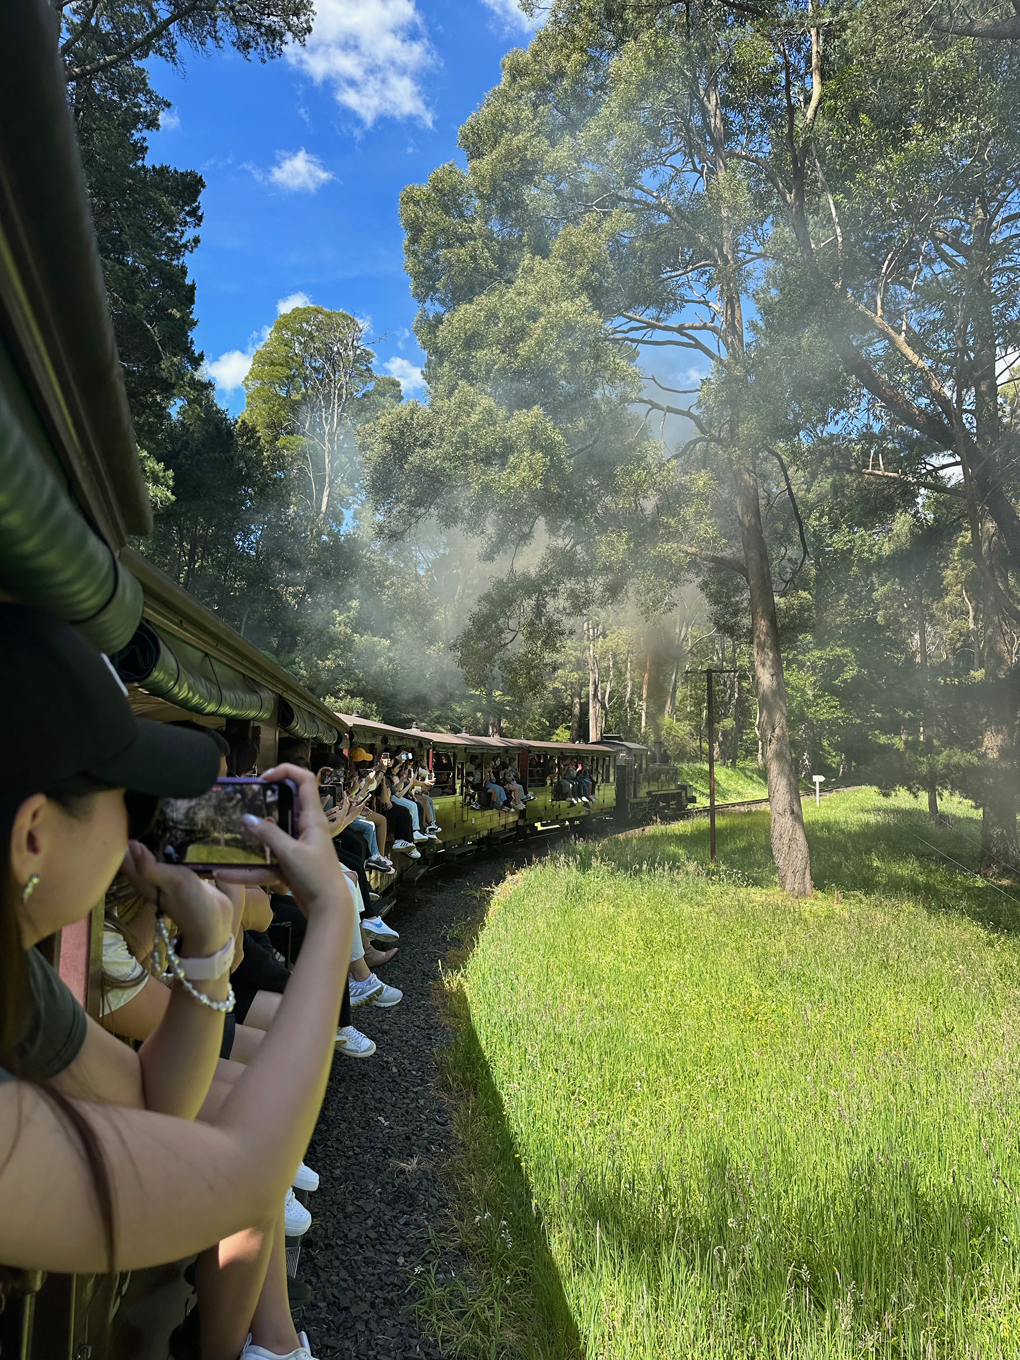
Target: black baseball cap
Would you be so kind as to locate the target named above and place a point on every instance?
(67, 714)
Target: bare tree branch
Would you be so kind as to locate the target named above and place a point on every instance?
(728, 563)
(143, 43)
(805, 552)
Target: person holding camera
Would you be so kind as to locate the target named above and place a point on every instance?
(89, 1125)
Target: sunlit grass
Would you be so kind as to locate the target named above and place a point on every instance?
(746, 781)
(714, 1121)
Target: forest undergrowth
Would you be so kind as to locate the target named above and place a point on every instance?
(700, 1118)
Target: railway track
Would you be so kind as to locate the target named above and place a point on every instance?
(703, 810)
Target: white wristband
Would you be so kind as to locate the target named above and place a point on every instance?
(212, 966)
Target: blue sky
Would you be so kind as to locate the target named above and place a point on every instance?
(304, 159)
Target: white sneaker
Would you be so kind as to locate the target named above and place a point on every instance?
(389, 996)
(253, 1352)
(419, 836)
(296, 1218)
(305, 1178)
(352, 1043)
(377, 929)
(364, 991)
(411, 851)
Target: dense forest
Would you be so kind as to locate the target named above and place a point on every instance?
(720, 310)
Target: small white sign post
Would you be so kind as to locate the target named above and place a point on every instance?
(819, 781)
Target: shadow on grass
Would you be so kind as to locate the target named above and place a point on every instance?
(512, 1304)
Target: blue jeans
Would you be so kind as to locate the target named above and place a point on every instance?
(498, 792)
(367, 829)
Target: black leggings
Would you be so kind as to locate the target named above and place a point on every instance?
(401, 822)
(260, 971)
(356, 866)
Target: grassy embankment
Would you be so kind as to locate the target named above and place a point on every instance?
(701, 1119)
(746, 781)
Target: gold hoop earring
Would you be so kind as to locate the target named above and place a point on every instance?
(29, 888)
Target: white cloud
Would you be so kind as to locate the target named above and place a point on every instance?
(511, 14)
(408, 375)
(230, 370)
(288, 304)
(372, 54)
(169, 119)
(301, 171)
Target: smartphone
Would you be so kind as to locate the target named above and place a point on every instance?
(208, 832)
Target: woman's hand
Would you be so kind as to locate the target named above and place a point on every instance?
(307, 863)
(341, 817)
(203, 914)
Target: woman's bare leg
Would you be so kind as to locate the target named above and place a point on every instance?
(229, 1279)
(381, 825)
(247, 1039)
(261, 1012)
(272, 1325)
(242, 1282)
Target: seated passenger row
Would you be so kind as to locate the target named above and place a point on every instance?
(207, 1072)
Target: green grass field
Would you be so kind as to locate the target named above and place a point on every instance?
(701, 1119)
(746, 781)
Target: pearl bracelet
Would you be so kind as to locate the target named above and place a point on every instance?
(177, 968)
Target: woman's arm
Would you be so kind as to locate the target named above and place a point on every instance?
(257, 913)
(137, 1018)
(172, 1070)
(220, 1178)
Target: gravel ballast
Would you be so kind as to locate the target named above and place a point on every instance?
(381, 1142)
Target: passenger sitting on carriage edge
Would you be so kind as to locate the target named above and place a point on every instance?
(400, 821)
(134, 1003)
(425, 782)
(338, 791)
(497, 790)
(472, 783)
(366, 779)
(64, 832)
(508, 778)
(351, 808)
(400, 778)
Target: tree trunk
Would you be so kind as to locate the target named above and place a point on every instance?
(591, 628)
(630, 682)
(999, 809)
(736, 713)
(674, 678)
(999, 812)
(926, 738)
(575, 714)
(972, 629)
(789, 843)
(644, 691)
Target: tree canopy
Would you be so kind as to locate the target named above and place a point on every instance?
(787, 238)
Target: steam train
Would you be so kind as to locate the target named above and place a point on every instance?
(72, 497)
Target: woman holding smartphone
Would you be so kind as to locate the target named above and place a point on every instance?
(87, 1125)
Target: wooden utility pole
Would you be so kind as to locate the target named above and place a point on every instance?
(708, 673)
